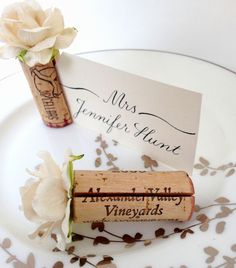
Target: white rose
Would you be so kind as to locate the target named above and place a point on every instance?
(33, 33)
(46, 199)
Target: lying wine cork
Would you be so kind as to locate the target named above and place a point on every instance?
(132, 196)
(48, 94)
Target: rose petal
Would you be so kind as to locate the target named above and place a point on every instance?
(65, 38)
(24, 12)
(54, 20)
(38, 14)
(47, 43)
(62, 237)
(8, 36)
(64, 171)
(31, 37)
(42, 57)
(27, 193)
(49, 167)
(65, 226)
(7, 52)
(50, 200)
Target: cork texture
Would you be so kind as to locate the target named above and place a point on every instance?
(132, 196)
(48, 94)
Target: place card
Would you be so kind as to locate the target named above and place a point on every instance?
(158, 119)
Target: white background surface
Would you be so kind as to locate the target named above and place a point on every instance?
(22, 135)
(200, 28)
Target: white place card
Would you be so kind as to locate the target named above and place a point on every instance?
(158, 119)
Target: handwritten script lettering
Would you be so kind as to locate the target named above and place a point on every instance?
(158, 119)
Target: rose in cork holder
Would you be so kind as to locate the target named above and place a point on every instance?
(35, 36)
(56, 197)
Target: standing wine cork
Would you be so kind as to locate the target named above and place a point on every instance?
(131, 196)
(48, 94)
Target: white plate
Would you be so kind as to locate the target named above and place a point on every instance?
(199, 244)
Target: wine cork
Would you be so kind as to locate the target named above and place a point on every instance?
(131, 196)
(48, 94)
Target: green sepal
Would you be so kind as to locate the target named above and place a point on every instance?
(21, 55)
(72, 179)
(71, 171)
(55, 53)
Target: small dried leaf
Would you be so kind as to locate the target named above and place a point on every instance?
(223, 167)
(107, 258)
(19, 264)
(77, 237)
(233, 247)
(229, 265)
(6, 243)
(148, 161)
(74, 259)
(98, 225)
(147, 243)
(31, 260)
(82, 261)
(204, 161)
(128, 239)
(56, 250)
(154, 163)
(71, 250)
(210, 259)
(222, 200)
(104, 145)
(229, 260)
(225, 211)
(54, 237)
(204, 227)
(204, 172)
(10, 259)
(109, 163)
(197, 208)
(230, 172)
(90, 255)
(220, 227)
(159, 232)
(198, 166)
(98, 151)
(138, 236)
(185, 232)
(98, 162)
(58, 264)
(111, 157)
(99, 138)
(178, 230)
(211, 251)
(213, 173)
(101, 240)
(202, 218)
